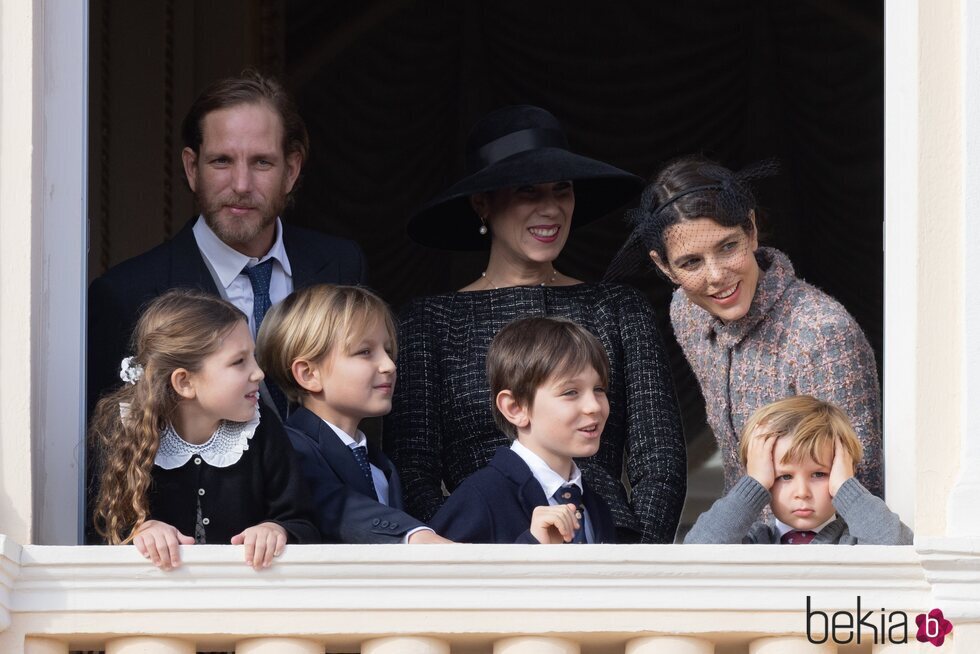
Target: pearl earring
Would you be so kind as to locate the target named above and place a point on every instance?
(483, 226)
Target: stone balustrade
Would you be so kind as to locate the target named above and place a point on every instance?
(469, 599)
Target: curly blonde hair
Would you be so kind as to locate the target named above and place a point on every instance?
(179, 329)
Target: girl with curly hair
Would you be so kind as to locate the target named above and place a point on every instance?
(182, 454)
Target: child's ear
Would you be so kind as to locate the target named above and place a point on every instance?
(183, 383)
(515, 413)
(664, 268)
(307, 376)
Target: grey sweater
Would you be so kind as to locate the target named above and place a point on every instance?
(862, 519)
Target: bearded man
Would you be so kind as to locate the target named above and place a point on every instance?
(244, 148)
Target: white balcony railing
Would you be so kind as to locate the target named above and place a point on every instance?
(515, 599)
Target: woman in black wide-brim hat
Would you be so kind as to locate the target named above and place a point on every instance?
(517, 199)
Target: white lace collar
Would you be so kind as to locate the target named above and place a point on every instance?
(223, 449)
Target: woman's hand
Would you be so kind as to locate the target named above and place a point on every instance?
(758, 460)
(262, 543)
(552, 525)
(160, 543)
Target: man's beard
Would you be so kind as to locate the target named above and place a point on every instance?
(234, 230)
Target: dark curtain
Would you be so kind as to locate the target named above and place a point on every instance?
(390, 88)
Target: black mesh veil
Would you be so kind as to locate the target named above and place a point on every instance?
(720, 194)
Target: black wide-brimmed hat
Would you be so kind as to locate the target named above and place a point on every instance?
(518, 146)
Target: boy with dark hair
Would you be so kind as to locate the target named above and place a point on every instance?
(548, 379)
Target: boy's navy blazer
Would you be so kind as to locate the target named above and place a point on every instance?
(494, 505)
(345, 504)
(117, 298)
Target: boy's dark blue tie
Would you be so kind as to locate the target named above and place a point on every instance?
(570, 494)
(360, 453)
(260, 276)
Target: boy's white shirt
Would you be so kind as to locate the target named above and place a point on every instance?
(377, 476)
(550, 481)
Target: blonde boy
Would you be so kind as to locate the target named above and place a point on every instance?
(800, 455)
(331, 349)
(548, 379)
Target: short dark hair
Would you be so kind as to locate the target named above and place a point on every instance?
(528, 352)
(250, 87)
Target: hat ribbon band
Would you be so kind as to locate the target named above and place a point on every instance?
(514, 143)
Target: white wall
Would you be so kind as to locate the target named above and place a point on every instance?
(924, 233)
(43, 134)
(17, 260)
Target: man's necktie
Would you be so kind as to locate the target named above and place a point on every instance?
(260, 275)
(797, 537)
(571, 494)
(360, 453)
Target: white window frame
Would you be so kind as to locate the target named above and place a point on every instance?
(61, 123)
(62, 102)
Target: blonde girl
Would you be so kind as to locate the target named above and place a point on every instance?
(182, 455)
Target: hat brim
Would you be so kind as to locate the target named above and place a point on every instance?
(448, 221)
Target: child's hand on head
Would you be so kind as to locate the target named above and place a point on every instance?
(758, 461)
(262, 543)
(160, 543)
(552, 525)
(842, 468)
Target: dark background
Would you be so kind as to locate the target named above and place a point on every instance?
(635, 84)
(390, 88)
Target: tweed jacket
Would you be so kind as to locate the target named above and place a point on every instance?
(794, 340)
(441, 428)
(862, 519)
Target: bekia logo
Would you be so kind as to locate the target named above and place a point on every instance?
(881, 627)
(933, 627)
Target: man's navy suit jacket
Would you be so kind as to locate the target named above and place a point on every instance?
(117, 298)
(346, 508)
(494, 505)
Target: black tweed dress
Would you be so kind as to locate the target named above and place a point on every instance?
(441, 428)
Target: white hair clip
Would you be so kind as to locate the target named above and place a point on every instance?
(130, 371)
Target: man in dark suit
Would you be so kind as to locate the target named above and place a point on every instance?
(244, 147)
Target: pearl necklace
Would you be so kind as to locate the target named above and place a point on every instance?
(547, 282)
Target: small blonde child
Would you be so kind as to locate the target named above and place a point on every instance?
(182, 455)
(800, 454)
(332, 350)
